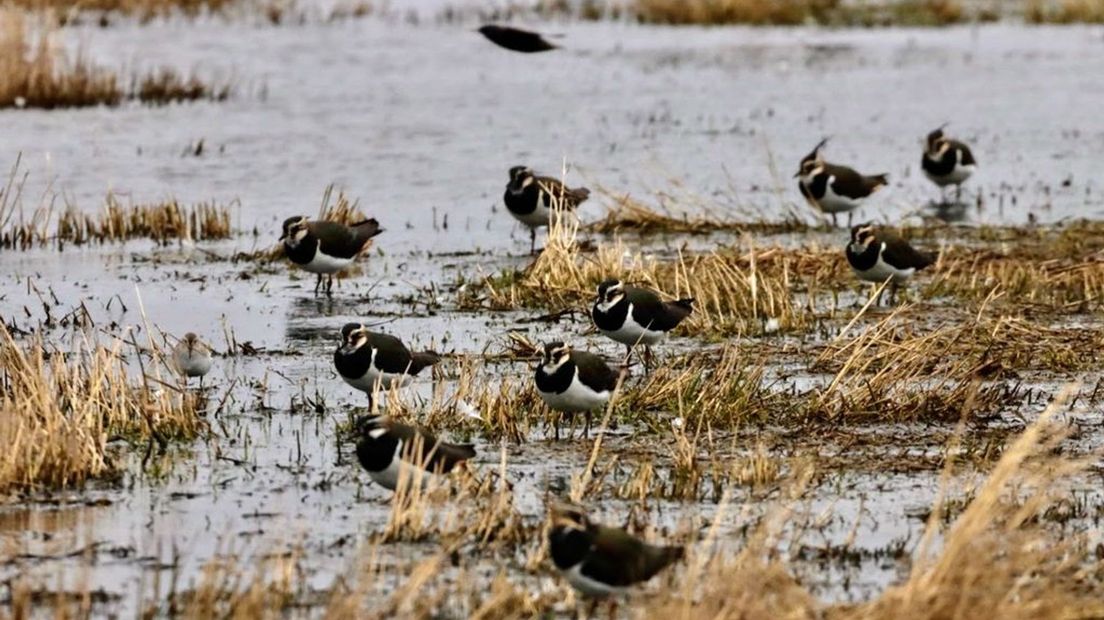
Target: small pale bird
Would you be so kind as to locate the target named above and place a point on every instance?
(191, 357)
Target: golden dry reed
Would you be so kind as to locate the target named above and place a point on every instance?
(797, 12)
(58, 411)
(37, 72)
(162, 222)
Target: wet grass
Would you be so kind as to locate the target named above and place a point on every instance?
(36, 71)
(59, 410)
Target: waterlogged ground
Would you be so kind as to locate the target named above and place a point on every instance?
(421, 122)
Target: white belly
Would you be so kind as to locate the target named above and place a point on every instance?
(385, 380)
(397, 470)
(631, 333)
(956, 177)
(326, 264)
(835, 203)
(577, 397)
(192, 365)
(881, 271)
(539, 217)
(588, 586)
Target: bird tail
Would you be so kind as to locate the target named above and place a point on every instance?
(877, 181)
(367, 229)
(421, 360)
(686, 304)
(661, 557)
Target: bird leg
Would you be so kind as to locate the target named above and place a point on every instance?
(586, 426)
(648, 359)
(317, 283)
(556, 425)
(329, 285)
(958, 193)
(835, 224)
(892, 292)
(532, 241)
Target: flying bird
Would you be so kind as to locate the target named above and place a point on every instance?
(516, 39)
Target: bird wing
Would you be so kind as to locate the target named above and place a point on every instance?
(900, 254)
(620, 559)
(808, 195)
(570, 198)
(337, 239)
(594, 372)
(967, 155)
(851, 184)
(391, 354)
(652, 312)
(434, 454)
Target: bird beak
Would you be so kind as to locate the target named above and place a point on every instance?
(797, 174)
(347, 349)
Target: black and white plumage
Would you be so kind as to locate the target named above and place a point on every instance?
(635, 316)
(598, 560)
(531, 199)
(881, 256)
(516, 39)
(833, 188)
(390, 451)
(572, 381)
(325, 248)
(370, 360)
(946, 161)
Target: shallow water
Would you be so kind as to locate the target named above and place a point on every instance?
(421, 123)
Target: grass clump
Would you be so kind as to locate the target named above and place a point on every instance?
(58, 411)
(37, 72)
(798, 12)
(161, 222)
(1065, 12)
(631, 215)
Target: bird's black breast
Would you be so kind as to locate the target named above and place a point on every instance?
(556, 382)
(568, 546)
(304, 252)
(862, 261)
(819, 185)
(614, 318)
(353, 365)
(522, 203)
(376, 454)
(940, 167)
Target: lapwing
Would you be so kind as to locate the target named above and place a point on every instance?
(389, 451)
(635, 316)
(947, 162)
(191, 357)
(881, 256)
(832, 188)
(530, 199)
(516, 39)
(598, 560)
(571, 381)
(370, 360)
(325, 248)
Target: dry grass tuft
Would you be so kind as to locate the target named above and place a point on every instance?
(162, 222)
(37, 72)
(57, 412)
(1064, 12)
(631, 215)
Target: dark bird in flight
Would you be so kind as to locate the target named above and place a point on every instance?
(516, 39)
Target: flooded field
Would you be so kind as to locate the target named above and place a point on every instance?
(808, 451)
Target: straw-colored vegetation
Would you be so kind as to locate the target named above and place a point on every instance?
(630, 215)
(795, 12)
(999, 556)
(36, 71)
(1065, 11)
(141, 9)
(58, 411)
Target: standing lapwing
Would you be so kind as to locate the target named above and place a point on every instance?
(389, 451)
(635, 316)
(191, 357)
(370, 360)
(572, 381)
(325, 248)
(516, 39)
(947, 162)
(884, 256)
(832, 188)
(598, 560)
(531, 199)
